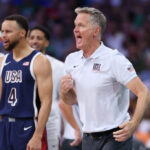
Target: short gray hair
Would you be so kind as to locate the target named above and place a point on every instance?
(97, 17)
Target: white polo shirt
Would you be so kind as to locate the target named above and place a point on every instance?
(99, 82)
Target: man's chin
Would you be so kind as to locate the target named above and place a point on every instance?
(34, 47)
(7, 49)
(37, 48)
(78, 46)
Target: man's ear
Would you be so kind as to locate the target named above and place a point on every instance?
(47, 43)
(23, 33)
(97, 31)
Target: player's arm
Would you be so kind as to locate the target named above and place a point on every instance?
(1, 60)
(67, 92)
(142, 93)
(67, 112)
(43, 74)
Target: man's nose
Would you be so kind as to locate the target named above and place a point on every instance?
(76, 29)
(3, 35)
(34, 41)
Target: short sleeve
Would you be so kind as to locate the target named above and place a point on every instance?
(122, 68)
(69, 63)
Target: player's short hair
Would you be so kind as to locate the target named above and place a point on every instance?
(97, 17)
(21, 21)
(43, 29)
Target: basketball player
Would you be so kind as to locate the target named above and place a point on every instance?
(22, 71)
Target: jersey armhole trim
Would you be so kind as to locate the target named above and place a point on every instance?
(3, 63)
(31, 65)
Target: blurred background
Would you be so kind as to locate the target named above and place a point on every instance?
(128, 30)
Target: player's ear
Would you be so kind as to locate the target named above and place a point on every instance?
(23, 33)
(47, 43)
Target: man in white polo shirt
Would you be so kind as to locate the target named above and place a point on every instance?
(99, 79)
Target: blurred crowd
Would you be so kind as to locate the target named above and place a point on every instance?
(128, 30)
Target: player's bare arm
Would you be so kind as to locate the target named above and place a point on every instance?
(1, 60)
(142, 93)
(67, 92)
(43, 74)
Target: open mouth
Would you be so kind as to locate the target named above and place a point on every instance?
(35, 46)
(78, 38)
(5, 43)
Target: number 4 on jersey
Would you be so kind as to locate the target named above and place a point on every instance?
(12, 99)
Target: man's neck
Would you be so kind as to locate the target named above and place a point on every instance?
(43, 51)
(90, 50)
(21, 50)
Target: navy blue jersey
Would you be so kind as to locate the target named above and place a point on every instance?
(18, 87)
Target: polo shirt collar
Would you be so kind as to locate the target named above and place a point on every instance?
(97, 52)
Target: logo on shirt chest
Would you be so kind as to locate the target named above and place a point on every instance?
(96, 67)
(26, 63)
(13, 76)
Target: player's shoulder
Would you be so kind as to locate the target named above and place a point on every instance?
(2, 60)
(41, 65)
(2, 57)
(41, 60)
(41, 56)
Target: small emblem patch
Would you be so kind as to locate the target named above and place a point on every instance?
(26, 63)
(130, 68)
(96, 67)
